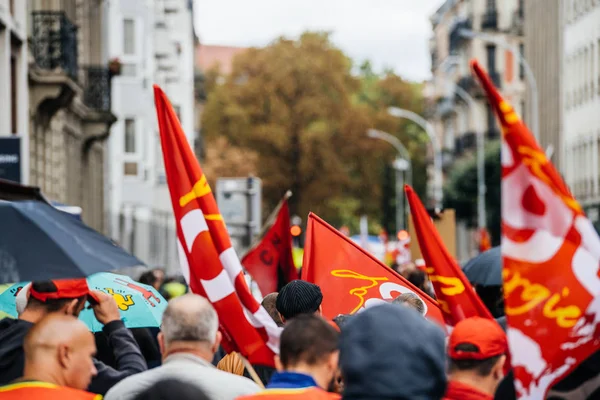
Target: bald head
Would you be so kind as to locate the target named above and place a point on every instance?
(270, 304)
(189, 318)
(59, 349)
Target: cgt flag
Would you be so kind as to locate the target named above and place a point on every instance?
(454, 293)
(270, 261)
(551, 257)
(351, 278)
(208, 261)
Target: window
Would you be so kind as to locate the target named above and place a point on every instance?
(130, 168)
(128, 70)
(491, 4)
(130, 135)
(521, 68)
(491, 57)
(521, 9)
(11, 5)
(491, 120)
(585, 73)
(128, 36)
(178, 112)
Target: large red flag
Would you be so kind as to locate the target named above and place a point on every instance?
(455, 294)
(551, 256)
(270, 261)
(207, 258)
(351, 278)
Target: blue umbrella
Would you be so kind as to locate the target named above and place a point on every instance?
(140, 305)
(486, 268)
(39, 243)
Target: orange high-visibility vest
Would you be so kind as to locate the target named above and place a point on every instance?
(302, 393)
(43, 391)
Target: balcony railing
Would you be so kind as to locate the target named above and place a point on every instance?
(96, 87)
(54, 42)
(455, 38)
(490, 19)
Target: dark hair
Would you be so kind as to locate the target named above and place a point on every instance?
(172, 389)
(148, 278)
(308, 339)
(417, 278)
(481, 367)
(50, 305)
(268, 303)
(342, 319)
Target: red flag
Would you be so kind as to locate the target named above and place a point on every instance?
(455, 294)
(351, 278)
(551, 256)
(207, 258)
(270, 261)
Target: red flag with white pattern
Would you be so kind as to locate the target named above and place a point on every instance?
(551, 256)
(208, 260)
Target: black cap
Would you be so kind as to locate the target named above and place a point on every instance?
(391, 352)
(298, 297)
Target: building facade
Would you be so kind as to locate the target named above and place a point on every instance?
(69, 102)
(154, 42)
(14, 121)
(581, 102)
(458, 26)
(544, 53)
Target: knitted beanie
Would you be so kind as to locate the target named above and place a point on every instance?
(298, 297)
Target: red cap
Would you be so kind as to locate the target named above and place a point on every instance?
(483, 333)
(64, 289)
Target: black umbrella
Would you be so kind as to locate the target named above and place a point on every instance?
(39, 242)
(486, 268)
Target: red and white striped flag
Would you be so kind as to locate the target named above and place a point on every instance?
(551, 256)
(208, 260)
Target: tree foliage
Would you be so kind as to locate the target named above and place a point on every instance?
(299, 107)
(460, 192)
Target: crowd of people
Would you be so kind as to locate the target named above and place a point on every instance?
(389, 351)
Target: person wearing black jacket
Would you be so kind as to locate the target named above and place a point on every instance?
(69, 297)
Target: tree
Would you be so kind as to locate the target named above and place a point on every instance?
(460, 192)
(298, 106)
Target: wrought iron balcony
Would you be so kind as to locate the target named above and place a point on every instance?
(455, 38)
(96, 88)
(469, 140)
(490, 19)
(54, 42)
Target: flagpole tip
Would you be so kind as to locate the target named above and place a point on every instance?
(287, 194)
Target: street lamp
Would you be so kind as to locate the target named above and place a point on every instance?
(535, 123)
(401, 164)
(481, 187)
(437, 151)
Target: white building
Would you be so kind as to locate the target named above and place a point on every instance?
(14, 113)
(153, 39)
(457, 125)
(581, 102)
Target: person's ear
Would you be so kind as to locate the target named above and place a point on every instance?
(333, 362)
(217, 343)
(281, 317)
(278, 364)
(63, 355)
(161, 342)
(72, 308)
(320, 310)
(498, 370)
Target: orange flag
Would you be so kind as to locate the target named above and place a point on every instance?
(351, 278)
(551, 256)
(270, 261)
(455, 294)
(208, 260)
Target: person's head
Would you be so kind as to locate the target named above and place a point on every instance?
(411, 300)
(298, 297)
(59, 349)
(477, 350)
(309, 345)
(190, 324)
(392, 352)
(269, 303)
(341, 320)
(65, 296)
(154, 278)
(168, 389)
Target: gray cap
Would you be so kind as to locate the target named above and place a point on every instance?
(391, 352)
